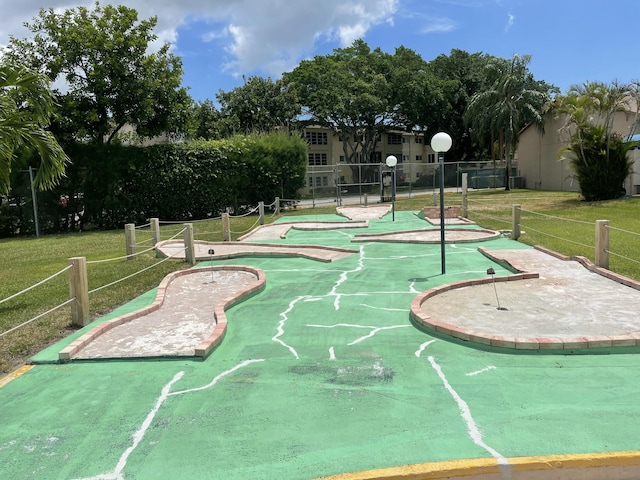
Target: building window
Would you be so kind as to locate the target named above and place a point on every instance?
(404, 158)
(376, 157)
(431, 158)
(394, 139)
(418, 158)
(316, 138)
(419, 140)
(317, 159)
(342, 159)
(325, 181)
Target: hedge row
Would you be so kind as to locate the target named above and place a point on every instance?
(110, 185)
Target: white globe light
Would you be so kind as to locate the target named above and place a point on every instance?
(441, 142)
(391, 161)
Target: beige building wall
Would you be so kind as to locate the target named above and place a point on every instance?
(538, 154)
(327, 168)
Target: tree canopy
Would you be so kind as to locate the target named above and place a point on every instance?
(260, 105)
(26, 106)
(512, 100)
(109, 79)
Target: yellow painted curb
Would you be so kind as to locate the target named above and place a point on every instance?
(12, 376)
(488, 468)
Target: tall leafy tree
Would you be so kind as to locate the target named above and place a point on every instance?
(464, 74)
(110, 79)
(210, 123)
(350, 91)
(26, 106)
(513, 100)
(420, 97)
(597, 153)
(260, 105)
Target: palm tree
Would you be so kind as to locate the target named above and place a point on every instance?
(596, 152)
(513, 100)
(26, 106)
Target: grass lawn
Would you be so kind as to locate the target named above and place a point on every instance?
(556, 220)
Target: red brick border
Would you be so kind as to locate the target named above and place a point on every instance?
(517, 343)
(205, 347)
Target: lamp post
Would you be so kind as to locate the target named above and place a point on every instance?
(441, 143)
(391, 162)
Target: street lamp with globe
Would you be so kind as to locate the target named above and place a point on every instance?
(441, 143)
(391, 162)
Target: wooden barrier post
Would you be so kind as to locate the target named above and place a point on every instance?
(277, 205)
(366, 200)
(130, 239)
(602, 243)
(515, 222)
(261, 212)
(155, 230)
(465, 193)
(79, 291)
(226, 228)
(189, 245)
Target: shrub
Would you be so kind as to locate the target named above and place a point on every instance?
(600, 162)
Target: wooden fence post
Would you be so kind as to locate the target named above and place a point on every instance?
(130, 239)
(155, 230)
(190, 250)
(602, 243)
(79, 290)
(465, 193)
(226, 228)
(277, 205)
(515, 222)
(261, 212)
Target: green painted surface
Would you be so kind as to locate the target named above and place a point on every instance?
(336, 395)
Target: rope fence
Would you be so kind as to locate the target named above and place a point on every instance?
(51, 310)
(15, 295)
(77, 275)
(135, 273)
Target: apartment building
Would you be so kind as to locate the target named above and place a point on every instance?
(328, 170)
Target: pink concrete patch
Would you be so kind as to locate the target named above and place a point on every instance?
(543, 315)
(196, 342)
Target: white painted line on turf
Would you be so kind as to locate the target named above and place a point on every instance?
(332, 354)
(384, 309)
(376, 330)
(473, 374)
(373, 329)
(472, 427)
(283, 315)
(137, 437)
(422, 347)
(343, 278)
(216, 379)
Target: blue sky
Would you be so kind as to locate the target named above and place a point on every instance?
(571, 41)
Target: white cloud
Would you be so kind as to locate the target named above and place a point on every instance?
(510, 21)
(267, 35)
(439, 25)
